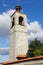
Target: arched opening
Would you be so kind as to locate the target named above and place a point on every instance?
(13, 23)
(20, 20)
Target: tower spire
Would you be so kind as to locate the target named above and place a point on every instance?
(18, 8)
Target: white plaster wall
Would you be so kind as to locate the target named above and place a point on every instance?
(17, 15)
(18, 41)
(18, 37)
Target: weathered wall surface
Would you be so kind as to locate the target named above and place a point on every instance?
(18, 36)
(18, 41)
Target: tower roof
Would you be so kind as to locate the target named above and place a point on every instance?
(18, 8)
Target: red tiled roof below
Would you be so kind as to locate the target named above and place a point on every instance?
(21, 57)
(23, 60)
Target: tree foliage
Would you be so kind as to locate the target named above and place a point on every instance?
(35, 48)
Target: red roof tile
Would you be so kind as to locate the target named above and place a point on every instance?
(22, 60)
(21, 57)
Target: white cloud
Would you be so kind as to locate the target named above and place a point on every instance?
(34, 27)
(5, 22)
(5, 29)
(10, 12)
(35, 31)
(4, 51)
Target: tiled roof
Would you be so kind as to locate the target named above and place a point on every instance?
(23, 60)
(23, 56)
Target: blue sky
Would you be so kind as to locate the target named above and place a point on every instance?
(33, 8)
(34, 11)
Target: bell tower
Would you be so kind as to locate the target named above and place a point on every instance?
(18, 34)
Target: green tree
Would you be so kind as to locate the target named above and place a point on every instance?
(35, 48)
